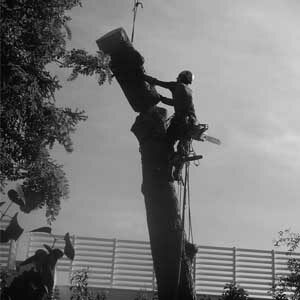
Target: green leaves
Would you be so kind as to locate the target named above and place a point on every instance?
(33, 34)
(86, 64)
(234, 292)
(290, 239)
(287, 286)
(80, 290)
(46, 184)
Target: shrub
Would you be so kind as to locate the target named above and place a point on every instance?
(234, 292)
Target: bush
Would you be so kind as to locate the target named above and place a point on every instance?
(234, 292)
(79, 287)
(287, 287)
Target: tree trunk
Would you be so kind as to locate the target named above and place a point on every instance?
(168, 246)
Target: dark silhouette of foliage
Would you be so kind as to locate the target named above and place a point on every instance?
(12, 232)
(33, 35)
(5, 277)
(42, 229)
(35, 283)
(69, 250)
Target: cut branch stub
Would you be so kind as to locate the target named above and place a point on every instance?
(127, 66)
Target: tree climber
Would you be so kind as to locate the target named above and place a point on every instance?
(183, 120)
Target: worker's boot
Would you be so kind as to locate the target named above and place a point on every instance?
(177, 172)
(174, 161)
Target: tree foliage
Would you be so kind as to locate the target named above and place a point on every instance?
(88, 64)
(232, 291)
(80, 290)
(288, 286)
(33, 35)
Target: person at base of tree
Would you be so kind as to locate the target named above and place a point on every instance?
(184, 117)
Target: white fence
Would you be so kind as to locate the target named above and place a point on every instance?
(254, 270)
(127, 264)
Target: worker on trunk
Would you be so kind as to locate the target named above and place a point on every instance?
(184, 118)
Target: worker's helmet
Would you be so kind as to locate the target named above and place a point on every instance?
(185, 77)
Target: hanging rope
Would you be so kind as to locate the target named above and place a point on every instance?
(135, 8)
(185, 200)
(185, 196)
(190, 236)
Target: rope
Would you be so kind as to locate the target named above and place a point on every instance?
(185, 200)
(190, 236)
(185, 196)
(135, 8)
(182, 237)
(179, 193)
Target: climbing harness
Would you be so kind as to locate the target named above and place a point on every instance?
(135, 8)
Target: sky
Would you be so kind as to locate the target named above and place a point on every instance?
(246, 59)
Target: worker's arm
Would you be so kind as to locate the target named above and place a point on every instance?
(165, 84)
(166, 100)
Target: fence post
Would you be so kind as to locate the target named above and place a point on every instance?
(113, 263)
(273, 268)
(234, 265)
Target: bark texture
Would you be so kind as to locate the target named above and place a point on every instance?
(171, 253)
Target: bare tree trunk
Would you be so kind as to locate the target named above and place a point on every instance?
(163, 217)
(171, 253)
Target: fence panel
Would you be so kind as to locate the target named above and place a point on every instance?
(255, 271)
(133, 267)
(281, 259)
(214, 268)
(96, 254)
